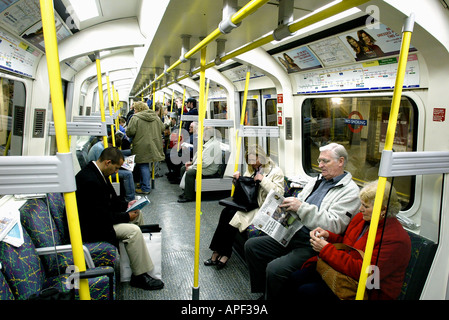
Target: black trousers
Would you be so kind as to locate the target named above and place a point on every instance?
(224, 233)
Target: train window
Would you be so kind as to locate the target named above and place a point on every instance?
(360, 124)
(12, 113)
(271, 120)
(219, 110)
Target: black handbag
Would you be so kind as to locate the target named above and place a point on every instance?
(245, 194)
(246, 191)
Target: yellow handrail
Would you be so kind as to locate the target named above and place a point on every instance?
(238, 139)
(391, 129)
(199, 172)
(54, 75)
(100, 95)
(110, 114)
(293, 27)
(236, 18)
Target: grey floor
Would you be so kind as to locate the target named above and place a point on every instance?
(178, 248)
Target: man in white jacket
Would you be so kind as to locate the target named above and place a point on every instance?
(211, 160)
(329, 202)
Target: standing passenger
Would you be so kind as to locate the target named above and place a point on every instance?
(145, 129)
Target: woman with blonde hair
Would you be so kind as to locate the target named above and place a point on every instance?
(391, 252)
(263, 169)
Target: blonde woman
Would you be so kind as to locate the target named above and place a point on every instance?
(391, 253)
(262, 168)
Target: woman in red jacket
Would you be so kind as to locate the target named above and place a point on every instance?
(395, 250)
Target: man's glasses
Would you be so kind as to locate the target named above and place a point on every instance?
(325, 161)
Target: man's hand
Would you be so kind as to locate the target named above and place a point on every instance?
(133, 215)
(291, 204)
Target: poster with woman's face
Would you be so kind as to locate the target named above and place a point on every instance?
(375, 42)
(299, 59)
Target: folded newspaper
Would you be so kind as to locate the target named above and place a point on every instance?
(129, 163)
(275, 221)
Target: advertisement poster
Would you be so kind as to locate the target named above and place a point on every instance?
(298, 59)
(376, 42)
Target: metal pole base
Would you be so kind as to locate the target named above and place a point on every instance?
(195, 293)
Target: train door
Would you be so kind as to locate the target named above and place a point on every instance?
(12, 108)
(269, 116)
(252, 117)
(261, 110)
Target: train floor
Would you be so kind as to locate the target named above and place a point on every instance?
(177, 221)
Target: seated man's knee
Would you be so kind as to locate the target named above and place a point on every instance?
(133, 231)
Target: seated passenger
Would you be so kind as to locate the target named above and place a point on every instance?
(394, 245)
(103, 216)
(212, 158)
(330, 200)
(271, 177)
(124, 175)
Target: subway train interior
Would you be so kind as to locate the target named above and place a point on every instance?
(287, 75)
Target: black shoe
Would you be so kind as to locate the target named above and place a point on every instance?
(144, 281)
(221, 265)
(183, 199)
(210, 262)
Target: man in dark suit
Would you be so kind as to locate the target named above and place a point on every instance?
(103, 216)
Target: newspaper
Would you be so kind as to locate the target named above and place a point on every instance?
(129, 163)
(276, 222)
(7, 221)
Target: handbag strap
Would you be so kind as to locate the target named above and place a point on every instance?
(343, 246)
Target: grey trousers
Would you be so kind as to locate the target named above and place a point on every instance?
(270, 264)
(131, 235)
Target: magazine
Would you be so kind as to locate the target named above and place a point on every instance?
(129, 163)
(139, 204)
(7, 221)
(275, 221)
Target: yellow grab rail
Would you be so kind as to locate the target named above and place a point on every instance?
(236, 18)
(391, 129)
(199, 172)
(110, 114)
(293, 27)
(54, 75)
(100, 96)
(238, 139)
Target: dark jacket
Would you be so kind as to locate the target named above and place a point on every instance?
(99, 207)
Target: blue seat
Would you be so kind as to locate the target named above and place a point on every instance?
(46, 226)
(23, 274)
(47, 230)
(423, 252)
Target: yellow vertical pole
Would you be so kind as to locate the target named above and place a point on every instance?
(100, 94)
(242, 117)
(205, 97)
(54, 75)
(110, 114)
(199, 172)
(172, 96)
(154, 108)
(180, 121)
(391, 130)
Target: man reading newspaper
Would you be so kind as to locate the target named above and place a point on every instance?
(328, 201)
